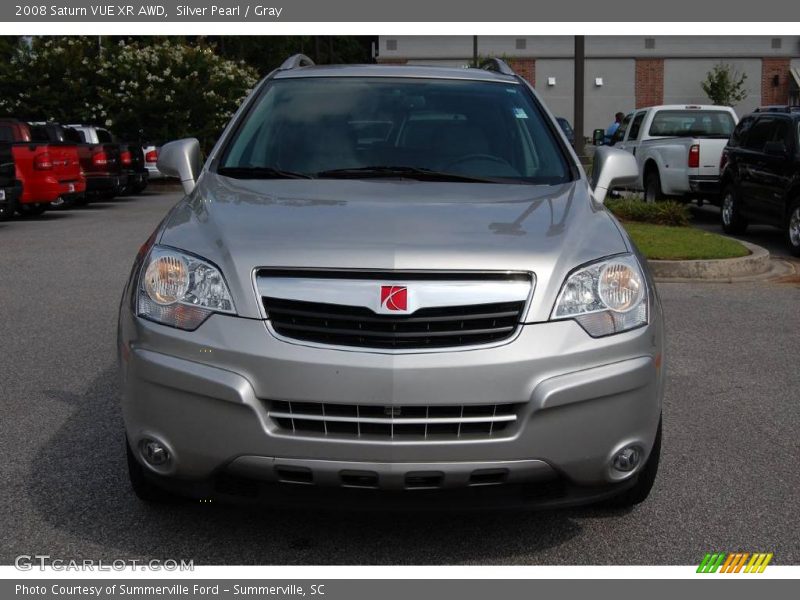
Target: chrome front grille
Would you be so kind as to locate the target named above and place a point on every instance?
(424, 422)
(394, 310)
(439, 327)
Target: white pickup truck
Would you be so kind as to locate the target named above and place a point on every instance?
(678, 149)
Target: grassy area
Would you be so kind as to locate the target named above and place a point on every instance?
(658, 242)
(658, 213)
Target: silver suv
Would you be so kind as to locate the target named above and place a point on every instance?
(392, 278)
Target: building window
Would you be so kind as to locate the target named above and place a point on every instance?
(649, 43)
(777, 43)
(391, 45)
(521, 44)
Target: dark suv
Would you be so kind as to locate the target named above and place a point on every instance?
(760, 173)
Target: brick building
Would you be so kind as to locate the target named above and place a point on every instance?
(622, 72)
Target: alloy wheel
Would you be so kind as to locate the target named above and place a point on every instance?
(727, 209)
(794, 227)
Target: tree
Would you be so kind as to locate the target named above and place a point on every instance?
(724, 86)
(153, 91)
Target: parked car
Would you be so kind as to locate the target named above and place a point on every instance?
(49, 171)
(100, 162)
(446, 306)
(761, 174)
(151, 161)
(133, 166)
(103, 160)
(567, 129)
(10, 186)
(677, 148)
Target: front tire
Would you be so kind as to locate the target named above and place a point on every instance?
(793, 228)
(731, 212)
(652, 187)
(644, 483)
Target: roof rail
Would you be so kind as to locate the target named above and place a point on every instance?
(293, 62)
(498, 66)
(778, 108)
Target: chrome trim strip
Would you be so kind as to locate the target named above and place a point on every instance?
(367, 293)
(393, 420)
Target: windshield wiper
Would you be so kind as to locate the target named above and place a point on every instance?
(409, 172)
(260, 173)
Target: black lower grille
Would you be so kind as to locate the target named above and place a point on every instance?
(376, 421)
(340, 325)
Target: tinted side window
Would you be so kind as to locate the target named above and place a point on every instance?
(636, 126)
(73, 135)
(760, 134)
(5, 134)
(103, 136)
(782, 132)
(39, 134)
(740, 133)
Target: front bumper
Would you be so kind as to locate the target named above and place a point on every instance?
(204, 395)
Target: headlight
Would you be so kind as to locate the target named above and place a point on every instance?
(605, 297)
(181, 290)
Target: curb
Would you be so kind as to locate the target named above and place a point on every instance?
(727, 269)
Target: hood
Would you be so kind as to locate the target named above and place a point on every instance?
(391, 225)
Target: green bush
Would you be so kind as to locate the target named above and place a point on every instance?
(156, 91)
(670, 213)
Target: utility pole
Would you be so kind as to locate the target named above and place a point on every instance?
(475, 51)
(580, 58)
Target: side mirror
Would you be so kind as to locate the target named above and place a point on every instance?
(598, 137)
(775, 149)
(181, 159)
(612, 168)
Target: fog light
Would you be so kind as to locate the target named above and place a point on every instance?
(627, 459)
(155, 453)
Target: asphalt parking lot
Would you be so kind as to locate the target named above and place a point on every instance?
(707, 217)
(729, 478)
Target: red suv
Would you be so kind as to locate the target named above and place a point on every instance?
(49, 171)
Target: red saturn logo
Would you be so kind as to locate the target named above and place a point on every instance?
(394, 297)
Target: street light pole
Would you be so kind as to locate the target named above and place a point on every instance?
(580, 58)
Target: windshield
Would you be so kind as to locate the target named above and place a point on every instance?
(694, 123)
(328, 127)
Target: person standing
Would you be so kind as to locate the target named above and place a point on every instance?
(612, 129)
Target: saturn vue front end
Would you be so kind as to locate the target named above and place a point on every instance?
(392, 279)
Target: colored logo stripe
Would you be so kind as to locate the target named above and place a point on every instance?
(735, 562)
(758, 563)
(711, 562)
